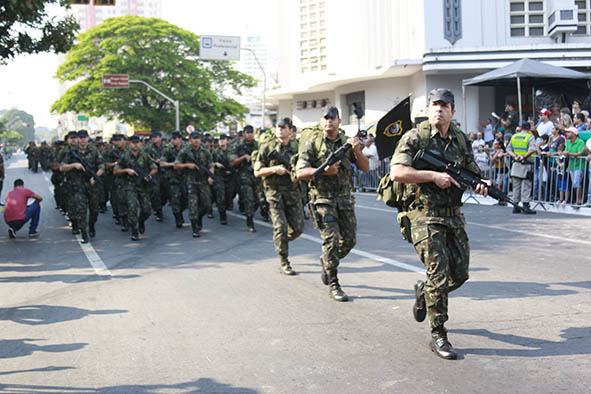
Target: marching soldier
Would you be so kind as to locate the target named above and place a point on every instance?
(178, 190)
(273, 164)
(84, 191)
(118, 190)
(224, 184)
(159, 192)
(330, 194)
(196, 179)
(240, 158)
(137, 169)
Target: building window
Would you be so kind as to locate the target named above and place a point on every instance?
(583, 17)
(526, 18)
(311, 40)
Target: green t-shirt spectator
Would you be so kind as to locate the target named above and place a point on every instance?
(575, 163)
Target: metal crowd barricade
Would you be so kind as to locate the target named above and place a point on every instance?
(370, 181)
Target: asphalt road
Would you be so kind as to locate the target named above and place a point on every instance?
(173, 314)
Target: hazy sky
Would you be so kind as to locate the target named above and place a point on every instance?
(27, 82)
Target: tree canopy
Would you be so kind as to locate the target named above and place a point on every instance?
(161, 54)
(20, 121)
(25, 27)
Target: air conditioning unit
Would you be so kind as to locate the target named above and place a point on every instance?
(561, 18)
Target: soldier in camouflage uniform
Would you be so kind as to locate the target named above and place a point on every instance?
(107, 186)
(330, 193)
(32, 156)
(240, 158)
(84, 196)
(57, 177)
(44, 152)
(436, 223)
(1, 172)
(137, 169)
(197, 180)
(281, 190)
(178, 189)
(117, 182)
(224, 184)
(71, 143)
(511, 118)
(159, 186)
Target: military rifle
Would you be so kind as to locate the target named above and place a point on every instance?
(284, 161)
(430, 160)
(87, 168)
(201, 167)
(337, 155)
(142, 174)
(225, 162)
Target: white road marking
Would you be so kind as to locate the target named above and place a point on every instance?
(499, 228)
(372, 256)
(93, 258)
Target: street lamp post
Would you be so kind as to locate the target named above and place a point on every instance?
(175, 102)
(264, 84)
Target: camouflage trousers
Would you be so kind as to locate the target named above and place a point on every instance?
(338, 229)
(224, 192)
(59, 192)
(199, 199)
(83, 204)
(287, 217)
(248, 195)
(118, 199)
(106, 190)
(159, 194)
(134, 197)
(178, 197)
(442, 245)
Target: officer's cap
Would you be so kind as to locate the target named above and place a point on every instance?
(155, 134)
(176, 134)
(509, 103)
(525, 125)
(441, 94)
(284, 122)
(223, 137)
(195, 134)
(82, 133)
(330, 112)
(248, 129)
(240, 133)
(72, 134)
(134, 138)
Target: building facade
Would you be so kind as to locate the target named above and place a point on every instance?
(377, 52)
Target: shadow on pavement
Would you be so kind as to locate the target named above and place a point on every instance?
(46, 369)
(203, 385)
(577, 341)
(35, 315)
(11, 348)
(493, 290)
(67, 278)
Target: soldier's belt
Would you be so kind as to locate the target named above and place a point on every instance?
(442, 212)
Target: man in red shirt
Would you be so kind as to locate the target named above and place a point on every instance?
(17, 213)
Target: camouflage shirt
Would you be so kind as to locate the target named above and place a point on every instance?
(276, 182)
(325, 188)
(169, 155)
(429, 195)
(202, 155)
(142, 162)
(223, 157)
(90, 155)
(242, 148)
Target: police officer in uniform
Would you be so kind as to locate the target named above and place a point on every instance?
(281, 190)
(436, 223)
(522, 149)
(330, 194)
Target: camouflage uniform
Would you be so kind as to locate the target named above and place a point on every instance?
(174, 179)
(83, 197)
(247, 180)
(512, 119)
(332, 198)
(436, 224)
(57, 179)
(225, 183)
(135, 189)
(32, 156)
(118, 184)
(198, 192)
(159, 187)
(285, 202)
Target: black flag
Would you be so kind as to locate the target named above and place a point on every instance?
(391, 127)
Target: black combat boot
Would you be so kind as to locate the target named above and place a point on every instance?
(527, 210)
(250, 224)
(117, 220)
(323, 274)
(134, 234)
(516, 208)
(419, 310)
(210, 214)
(158, 214)
(199, 223)
(91, 230)
(142, 223)
(178, 220)
(124, 224)
(286, 267)
(440, 345)
(84, 235)
(223, 218)
(75, 229)
(335, 291)
(196, 228)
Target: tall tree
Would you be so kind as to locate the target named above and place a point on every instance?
(21, 121)
(161, 54)
(25, 27)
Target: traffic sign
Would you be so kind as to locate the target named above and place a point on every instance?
(115, 81)
(219, 48)
(190, 128)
